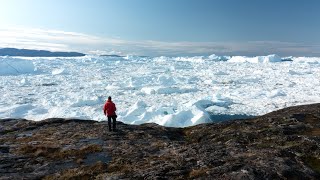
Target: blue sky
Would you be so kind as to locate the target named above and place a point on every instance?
(164, 27)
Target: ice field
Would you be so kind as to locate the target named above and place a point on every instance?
(170, 91)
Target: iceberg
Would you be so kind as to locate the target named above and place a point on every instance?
(15, 66)
(258, 59)
(170, 91)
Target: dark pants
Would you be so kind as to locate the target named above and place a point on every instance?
(114, 122)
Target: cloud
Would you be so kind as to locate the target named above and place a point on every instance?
(55, 40)
(48, 39)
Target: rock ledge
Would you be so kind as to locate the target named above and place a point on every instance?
(280, 145)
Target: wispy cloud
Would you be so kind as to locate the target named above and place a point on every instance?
(49, 39)
(56, 40)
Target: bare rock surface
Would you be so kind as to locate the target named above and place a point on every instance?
(280, 145)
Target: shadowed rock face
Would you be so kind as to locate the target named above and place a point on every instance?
(280, 145)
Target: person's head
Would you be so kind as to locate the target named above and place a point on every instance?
(109, 98)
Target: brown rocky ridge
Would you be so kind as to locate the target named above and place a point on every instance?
(280, 145)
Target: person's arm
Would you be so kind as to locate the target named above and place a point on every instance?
(105, 109)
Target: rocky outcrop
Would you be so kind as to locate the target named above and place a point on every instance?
(279, 145)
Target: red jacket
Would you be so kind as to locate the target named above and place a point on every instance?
(109, 108)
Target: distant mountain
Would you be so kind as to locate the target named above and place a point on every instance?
(114, 55)
(111, 55)
(36, 53)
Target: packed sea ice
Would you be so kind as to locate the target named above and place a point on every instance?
(170, 91)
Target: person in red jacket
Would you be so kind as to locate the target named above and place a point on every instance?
(109, 110)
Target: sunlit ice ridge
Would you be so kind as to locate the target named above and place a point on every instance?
(170, 91)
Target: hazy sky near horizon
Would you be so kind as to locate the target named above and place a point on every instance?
(163, 27)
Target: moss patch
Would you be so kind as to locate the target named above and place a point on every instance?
(313, 163)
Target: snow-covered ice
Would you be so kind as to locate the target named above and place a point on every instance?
(170, 91)
(12, 66)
